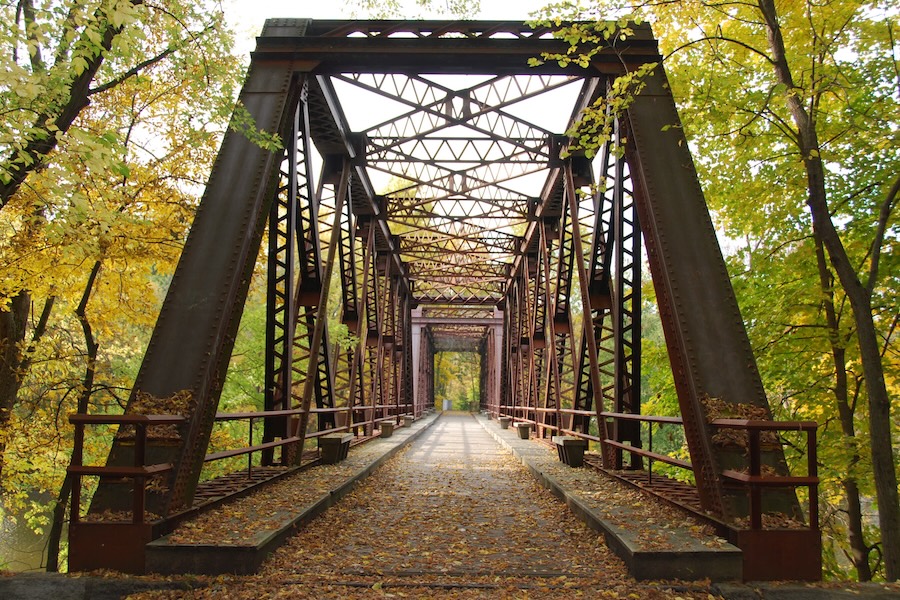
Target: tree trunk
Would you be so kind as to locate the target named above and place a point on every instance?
(59, 519)
(12, 337)
(40, 143)
(859, 551)
(87, 387)
(14, 359)
(860, 302)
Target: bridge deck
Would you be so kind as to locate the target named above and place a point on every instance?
(457, 510)
(454, 506)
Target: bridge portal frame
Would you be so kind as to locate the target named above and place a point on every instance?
(581, 247)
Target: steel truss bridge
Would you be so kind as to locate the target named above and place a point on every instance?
(425, 198)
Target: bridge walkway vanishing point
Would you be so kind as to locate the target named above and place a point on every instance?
(456, 512)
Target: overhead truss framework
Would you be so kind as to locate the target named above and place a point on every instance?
(426, 175)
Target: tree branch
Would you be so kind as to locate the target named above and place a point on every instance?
(890, 30)
(39, 329)
(887, 337)
(37, 61)
(44, 138)
(883, 215)
(87, 388)
(69, 25)
(712, 38)
(131, 72)
(150, 61)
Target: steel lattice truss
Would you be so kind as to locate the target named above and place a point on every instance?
(455, 156)
(427, 199)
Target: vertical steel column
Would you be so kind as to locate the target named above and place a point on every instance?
(483, 374)
(351, 308)
(280, 307)
(497, 360)
(394, 351)
(334, 172)
(550, 385)
(589, 392)
(525, 349)
(428, 376)
(600, 270)
(406, 366)
(508, 372)
(317, 375)
(292, 297)
(626, 312)
(381, 379)
(588, 366)
(372, 335)
(532, 336)
(562, 321)
(357, 393)
(416, 341)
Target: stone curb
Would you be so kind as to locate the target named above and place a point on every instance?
(56, 586)
(800, 591)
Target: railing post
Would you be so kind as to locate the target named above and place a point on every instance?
(620, 453)
(77, 461)
(755, 491)
(140, 483)
(813, 471)
(250, 454)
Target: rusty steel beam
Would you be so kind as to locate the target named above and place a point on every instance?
(356, 394)
(708, 345)
(448, 47)
(589, 388)
(191, 344)
(317, 381)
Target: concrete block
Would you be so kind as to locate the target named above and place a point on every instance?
(334, 447)
(524, 430)
(570, 449)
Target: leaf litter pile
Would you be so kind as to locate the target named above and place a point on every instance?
(453, 516)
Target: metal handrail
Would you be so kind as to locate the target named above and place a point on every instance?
(137, 473)
(755, 480)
